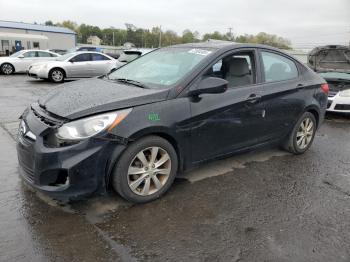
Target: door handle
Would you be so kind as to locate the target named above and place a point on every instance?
(300, 86)
(253, 99)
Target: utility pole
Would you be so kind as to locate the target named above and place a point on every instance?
(230, 33)
(160, 36)
(141, 37)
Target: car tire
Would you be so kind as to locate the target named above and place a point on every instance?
(56, 75)
(139, 179)
(302, 135)
(7, 69)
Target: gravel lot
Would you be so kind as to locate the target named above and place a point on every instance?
(260, 206)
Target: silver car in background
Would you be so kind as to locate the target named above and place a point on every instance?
(74, 65)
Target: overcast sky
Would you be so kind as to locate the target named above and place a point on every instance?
(304, 22)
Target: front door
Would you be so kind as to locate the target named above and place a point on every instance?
(223, 123)
(22, 64)
(79, 66)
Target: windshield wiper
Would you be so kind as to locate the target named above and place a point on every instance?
(132, 82)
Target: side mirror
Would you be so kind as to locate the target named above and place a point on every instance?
(210, 85)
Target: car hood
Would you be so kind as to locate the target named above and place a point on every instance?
(87, 97)
(330, 59)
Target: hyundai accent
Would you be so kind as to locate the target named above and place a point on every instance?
(170, 110)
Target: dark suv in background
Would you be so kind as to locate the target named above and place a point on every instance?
(167, 111)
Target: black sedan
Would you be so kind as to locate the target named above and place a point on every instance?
(135, 129)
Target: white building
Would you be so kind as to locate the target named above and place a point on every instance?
(15, 36)
(93, 40)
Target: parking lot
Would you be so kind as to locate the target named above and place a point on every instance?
(260, 206)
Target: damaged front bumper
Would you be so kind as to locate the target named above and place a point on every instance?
(68, 172)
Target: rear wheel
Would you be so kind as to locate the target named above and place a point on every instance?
(146, 170)
(56, 75)
(7, 69)
(302, 134)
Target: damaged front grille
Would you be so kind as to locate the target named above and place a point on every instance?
(44, 117)
(336, 87)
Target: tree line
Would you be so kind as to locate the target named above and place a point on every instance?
(152, 37)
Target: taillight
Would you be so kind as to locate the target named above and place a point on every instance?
(325, 88)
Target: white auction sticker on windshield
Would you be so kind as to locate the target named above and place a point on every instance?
(199, 52)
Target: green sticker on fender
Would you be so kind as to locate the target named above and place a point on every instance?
(153, 117)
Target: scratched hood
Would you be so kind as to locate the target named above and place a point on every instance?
(87, 97)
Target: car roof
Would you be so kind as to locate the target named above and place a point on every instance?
(226, 45)
(88, 52)
(26, 50)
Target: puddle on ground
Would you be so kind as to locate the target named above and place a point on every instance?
(221, 167)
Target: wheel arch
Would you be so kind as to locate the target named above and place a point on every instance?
(57, 67)
(314, 110)
(137, 136)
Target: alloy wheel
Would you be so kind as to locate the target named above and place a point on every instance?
(305, 133)
(57, 75)
(7, 69)
(149, 171)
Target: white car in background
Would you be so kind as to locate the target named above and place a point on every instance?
(19, 62)
(339, 91)
(74, 65)
(130, 55)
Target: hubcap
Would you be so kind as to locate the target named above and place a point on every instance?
(305, 133)
(7, 69)
(149, 171)
(57, 75)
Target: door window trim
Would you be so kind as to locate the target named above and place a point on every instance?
(70, 60)
(263, 80)
(258, 75)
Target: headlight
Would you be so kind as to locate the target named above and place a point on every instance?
(90, 126)
(345, 93)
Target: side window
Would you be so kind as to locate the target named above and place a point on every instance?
(81, 58)
(98, 57)
(238, 69)
(278, 68)
(30, 54)
(43, 54)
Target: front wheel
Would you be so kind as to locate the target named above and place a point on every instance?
(56, 75)
(146, 170)
(302, 135)
(7, 69)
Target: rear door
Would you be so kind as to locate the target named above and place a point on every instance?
(223, 123)
(100, 64)
(45, 56)
(283, 92)
(79, 66)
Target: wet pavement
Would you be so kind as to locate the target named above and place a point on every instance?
(260, 206)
